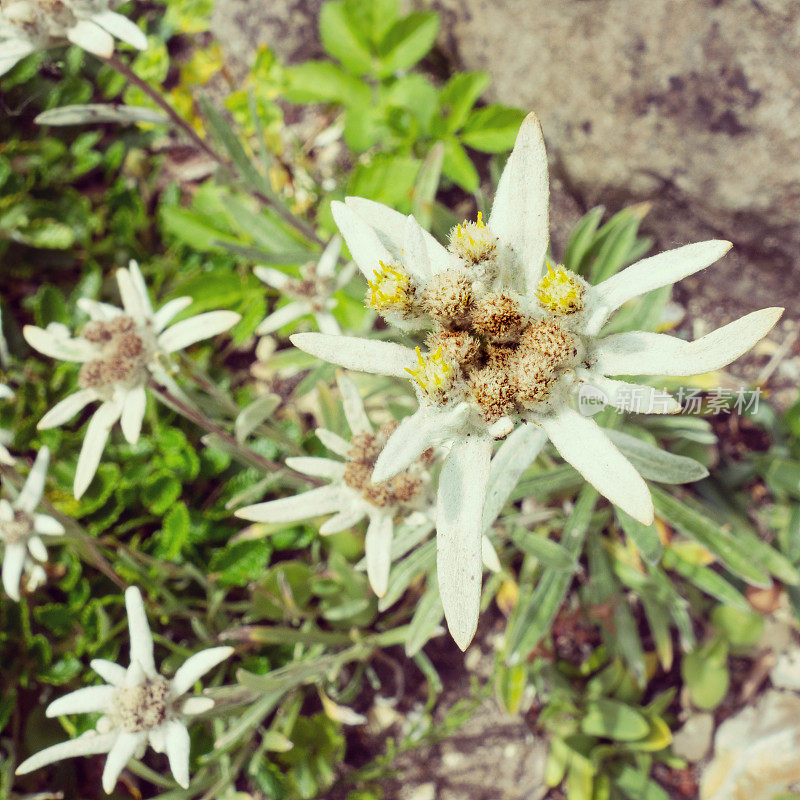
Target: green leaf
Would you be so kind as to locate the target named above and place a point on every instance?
(459, 168)
(160, 491)
(387, 179)
(323, 82)
(427, 185)
(581, 238)
(550, 553)
(645, 537)
(342, 39)
(94, 113)
(458, 96)
(736, 557)
(534, 617)
(741, 628)
(705, 671)
(610, 719)
(492, 129)
(656, 464)
(240, 563)
(428, 615)
(174, 534)
(372, 19)
(407, 41)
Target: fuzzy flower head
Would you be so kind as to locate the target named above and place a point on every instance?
(351, 494)
(519, 340)
(21, 531)
(120, 351)
(27, 26)
(309, 295)
(139, 706)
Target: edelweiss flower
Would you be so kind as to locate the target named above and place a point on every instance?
(138, 704)
(30, 25)
(351, 495)
(311, 295)
(510, 344)
(21, 529)
(121, 350)
(5, 436)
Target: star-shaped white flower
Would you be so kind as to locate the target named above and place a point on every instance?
(120, 351)
(21, 531)
(27, 26)
(139, 706)
(311, 295)
(351, 496)
(510, 343)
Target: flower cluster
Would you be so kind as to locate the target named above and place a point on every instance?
(510, 340)
(27, 26)
(138, 706)
(121, 350)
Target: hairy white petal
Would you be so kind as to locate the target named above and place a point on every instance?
(195, 329)
(314, 503)
(651, 273)
(459, 510)
(56, 345)
(32, 491)
(391, 228)
(283, 316)
(362, 241)
(66, 409)
(97, 310)
(317, 467)
(133, 413)
(333, 442)
(136, 273)
(378, 545)
(122, 28)
(272, 277)
(644, 353)
(582, 443)
(13, 563)
(327, 323)
(139, 628)
(414, 435)
(110, 672)
(489, 556)
(519, 216)
(92, 38)
(326, 266)
(37, 549)
(169, 311)
(120, 754)
(196, 666)
(176, 737)
(635, 398)
(344, 520)
(47, 525)
(354, 410)
(362, 355)
(89, 744)
(94, 442)
(83, 701)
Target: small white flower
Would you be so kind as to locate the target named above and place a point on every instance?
(5, 436)
(21, 529)
(139, 706)
(30, 25)
(311, 295)
(120, 351)
(510, 343)
(351, 495)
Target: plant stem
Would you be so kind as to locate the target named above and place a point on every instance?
(123, 69)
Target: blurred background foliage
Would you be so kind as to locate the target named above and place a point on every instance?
(609, 627)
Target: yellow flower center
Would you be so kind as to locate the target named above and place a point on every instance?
(473, 241)
(560, 291)
(432, 373)
(391, 289)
